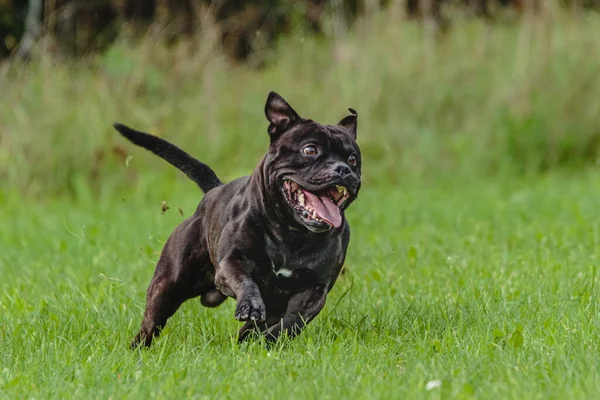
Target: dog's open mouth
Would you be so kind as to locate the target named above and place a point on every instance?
(318, 208)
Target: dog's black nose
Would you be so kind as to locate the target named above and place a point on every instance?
(342, 169)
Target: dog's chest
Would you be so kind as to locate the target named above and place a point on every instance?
(302, 263)
(281, 272)
(285, 266)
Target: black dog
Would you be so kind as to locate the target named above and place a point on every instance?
(275, 240)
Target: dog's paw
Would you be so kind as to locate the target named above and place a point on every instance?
(141, 340)
(250, 309)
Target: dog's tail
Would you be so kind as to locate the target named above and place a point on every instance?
(197, 171)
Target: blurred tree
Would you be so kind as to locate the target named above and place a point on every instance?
(80, 26)
(12, 24)
(33, 28)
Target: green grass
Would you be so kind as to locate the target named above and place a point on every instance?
(490, 287)
(474, 253)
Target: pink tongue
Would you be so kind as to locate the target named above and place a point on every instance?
(324, 207)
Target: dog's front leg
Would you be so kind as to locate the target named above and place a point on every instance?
(301, 309)
(252, 327)
(232, 279)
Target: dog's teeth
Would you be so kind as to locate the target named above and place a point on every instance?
(314, 214)
(341, 189)
(301, 198)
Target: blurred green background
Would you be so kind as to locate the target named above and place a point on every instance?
(450, 93)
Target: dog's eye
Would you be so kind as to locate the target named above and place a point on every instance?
(352, 160)
(310, 150)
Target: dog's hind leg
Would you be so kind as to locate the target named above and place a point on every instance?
(163, 298)
(183, 272)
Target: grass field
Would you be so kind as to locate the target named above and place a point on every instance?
(490, 288)
(472, 264)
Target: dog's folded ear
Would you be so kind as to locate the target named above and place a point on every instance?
(279, 113)
(350, 122)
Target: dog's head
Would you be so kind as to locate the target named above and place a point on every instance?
(311, 168)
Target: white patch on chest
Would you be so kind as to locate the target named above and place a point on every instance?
(286, 273)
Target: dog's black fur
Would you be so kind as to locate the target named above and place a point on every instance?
(249, 239)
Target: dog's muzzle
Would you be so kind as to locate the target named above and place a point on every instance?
(319, 210)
